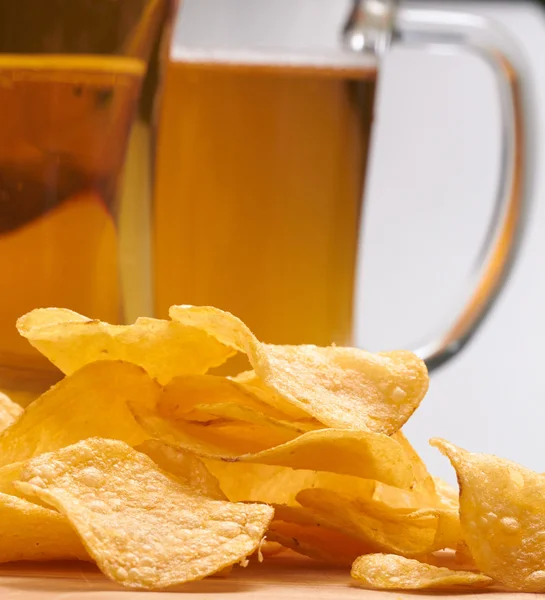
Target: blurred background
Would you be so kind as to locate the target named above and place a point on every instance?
(433, 168)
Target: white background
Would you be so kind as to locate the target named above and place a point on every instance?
(429, 195)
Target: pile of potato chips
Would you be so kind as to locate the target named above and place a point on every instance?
(161, 473)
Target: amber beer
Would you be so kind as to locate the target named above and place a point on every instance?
(75, 88)
(260, 173)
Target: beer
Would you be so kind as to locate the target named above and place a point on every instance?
(71, 102)
(260, 170)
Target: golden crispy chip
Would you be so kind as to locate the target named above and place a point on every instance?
(280, 485)
(502, 510)
(408, 532)
(9, 411)
(360, 453)
(426, 493)
(262, 483)
(424, 487)
(230, 412)
(391, 572)
(346, 387)
(449, 534)
(187, 467)
(340, 387)
(164, 348)
(317, 542)
(463, 554)
(269, 548)
(207, 398)
(314, 537)
(183, 394)
(225, 327)
(93, 401)
(220, 439)
(144, 528)
(447, 494)
(254, 385)
(422, 493)
(449, 531)
(451, 559)
(32, 532)
(248, 437)
(11, 473)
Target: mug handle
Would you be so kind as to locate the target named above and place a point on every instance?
(443, 31)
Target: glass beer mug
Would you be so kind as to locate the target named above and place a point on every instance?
(78, 80)
(262, 162)
(248, 198)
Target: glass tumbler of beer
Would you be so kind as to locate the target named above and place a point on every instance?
(267, 127)
(78, 90)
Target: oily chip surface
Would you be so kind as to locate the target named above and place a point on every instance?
(360, 453)
(32, 532)
(143, 527)
(91, 402)
(9, 411)
(317, 542)
(392, 572)
(183, 394)
(164, 348)
(340, 387)
(502, 512)
(408, 532)
(187, 467)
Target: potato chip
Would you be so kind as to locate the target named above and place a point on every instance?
(9, 411)
(207, 398)
(444, 558)
(280, 485)
(340, 387)
(360, 453)
(449, 533)
(451, 559)
(186, 466)
(346, 387)
(164, 348)
(144, 528)
(249, 436)
(254, 385)
(230, 412)
(9, 474)
(408, 532)
(183, 394)
(391, 572)
(261, 483)
(32, 532)
(317, 542)
(423, 487)
(91, 402)
(502, 511)
(314, 537)
(463, 554)
(223, 440)
(320, 534)
(447, 494)
(225, 327)
(269, 548)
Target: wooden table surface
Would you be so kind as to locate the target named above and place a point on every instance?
(279, 577)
